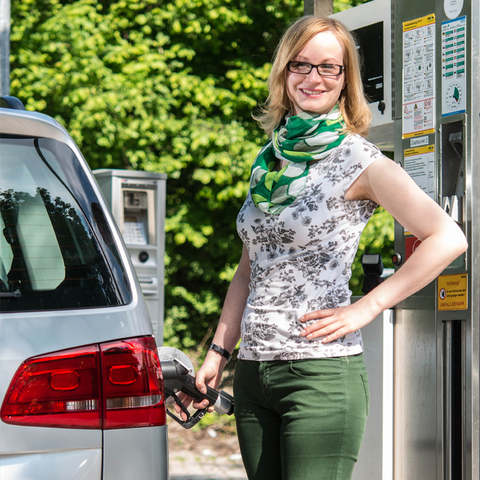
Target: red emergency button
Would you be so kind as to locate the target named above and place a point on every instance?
(397, 259)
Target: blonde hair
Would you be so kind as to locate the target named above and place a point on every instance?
(352, 102)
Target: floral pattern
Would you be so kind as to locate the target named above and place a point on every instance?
(301, 258)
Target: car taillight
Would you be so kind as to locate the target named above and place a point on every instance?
(112, 385)
(132, 384)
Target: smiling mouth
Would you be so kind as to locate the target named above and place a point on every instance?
(311, 92)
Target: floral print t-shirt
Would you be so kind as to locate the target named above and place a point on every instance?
(301, 259)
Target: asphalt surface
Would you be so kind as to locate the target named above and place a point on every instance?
(187, 465)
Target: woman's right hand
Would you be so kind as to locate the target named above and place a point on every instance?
(210, 373)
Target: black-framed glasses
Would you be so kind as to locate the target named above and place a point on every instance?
(323, 69)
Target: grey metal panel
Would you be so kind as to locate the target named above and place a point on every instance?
(140, 453)
(473, 213)
(74, 465)
(17, 440)
(415, 396)
(375, 461)
(20, 122)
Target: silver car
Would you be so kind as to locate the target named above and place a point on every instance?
(81, 390)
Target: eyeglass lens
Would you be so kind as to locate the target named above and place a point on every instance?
(325, 69)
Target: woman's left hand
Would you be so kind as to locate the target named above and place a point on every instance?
(334, 323)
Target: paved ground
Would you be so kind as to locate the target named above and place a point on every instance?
(185, 465)
(208, 454)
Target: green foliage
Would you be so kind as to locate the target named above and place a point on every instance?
(340, 5)
(376, 238)
(164, 86)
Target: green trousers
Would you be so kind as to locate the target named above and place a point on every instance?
(301, 419)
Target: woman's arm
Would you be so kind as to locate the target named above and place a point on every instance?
(390, 186)
(228, 330)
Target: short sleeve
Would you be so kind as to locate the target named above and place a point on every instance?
(357, 154)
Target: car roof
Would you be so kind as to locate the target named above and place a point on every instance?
(24, 122)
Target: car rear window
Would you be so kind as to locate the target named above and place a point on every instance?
(56, 248)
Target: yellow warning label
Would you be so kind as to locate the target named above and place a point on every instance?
(419, 150)
(419, 22)
(417, 134)
(452, 292)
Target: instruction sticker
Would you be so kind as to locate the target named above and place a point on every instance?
(452, 292)
(454, 66)
(419, 76)
(419, 163)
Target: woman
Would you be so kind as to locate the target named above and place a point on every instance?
(301, 390)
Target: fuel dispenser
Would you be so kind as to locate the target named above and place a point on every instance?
(437, 139)
(137, 201)
(432, 429)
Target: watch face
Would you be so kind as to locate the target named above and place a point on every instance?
(453, 96)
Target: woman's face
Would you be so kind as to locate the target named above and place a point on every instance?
(313, 93)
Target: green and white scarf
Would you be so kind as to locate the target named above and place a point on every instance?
(302, 139)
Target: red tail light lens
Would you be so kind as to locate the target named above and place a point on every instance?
(112, 385)
(60, 389)
(132, 384)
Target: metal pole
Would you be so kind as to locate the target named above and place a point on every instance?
(447, 411)
(320, 8)
(4, 47)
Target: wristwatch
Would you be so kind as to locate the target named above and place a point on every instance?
(221, 351)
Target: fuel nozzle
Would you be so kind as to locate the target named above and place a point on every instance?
(178, 377)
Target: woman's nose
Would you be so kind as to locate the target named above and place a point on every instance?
(314, 75)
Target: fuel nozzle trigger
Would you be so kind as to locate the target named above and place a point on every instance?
(178, 377)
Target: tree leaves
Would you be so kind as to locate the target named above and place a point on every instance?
(165, 86)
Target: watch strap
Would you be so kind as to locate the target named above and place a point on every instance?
(221, 351)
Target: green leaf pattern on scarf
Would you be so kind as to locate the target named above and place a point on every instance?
(302, 139)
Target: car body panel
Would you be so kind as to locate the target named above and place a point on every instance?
(16, 440)
(141, 462)
(58, 453)
(74, 465)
